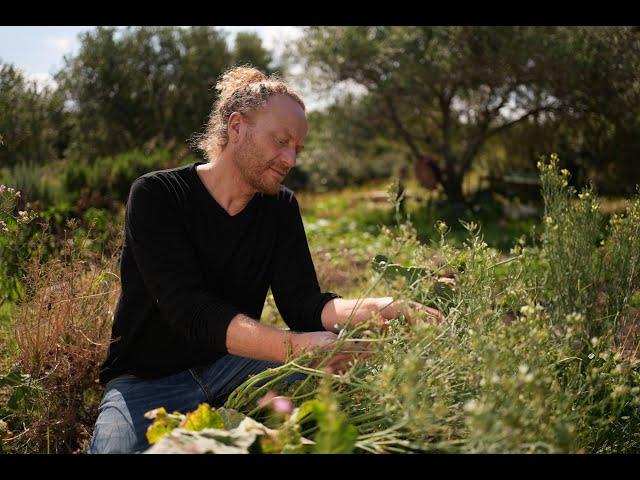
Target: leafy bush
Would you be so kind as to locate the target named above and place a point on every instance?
(591, 270)
(36, 182)
(114, 175)
(514, 367)
(59, 333)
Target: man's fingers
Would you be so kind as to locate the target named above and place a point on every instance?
(341, 362)
(447, 281)
(432, 312)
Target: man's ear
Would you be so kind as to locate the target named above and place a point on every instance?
(233, 127)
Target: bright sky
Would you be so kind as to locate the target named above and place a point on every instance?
(39, 51)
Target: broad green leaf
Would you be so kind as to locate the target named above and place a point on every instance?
(203, 417)
(336, 434)
(302, 411)
(15, 379)
(231, 418)
(389, 270)
(163, 424)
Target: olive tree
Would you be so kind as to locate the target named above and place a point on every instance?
(446, 91)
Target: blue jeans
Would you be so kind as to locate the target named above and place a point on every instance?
(121, 426)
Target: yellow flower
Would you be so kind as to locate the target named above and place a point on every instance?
(442, 227)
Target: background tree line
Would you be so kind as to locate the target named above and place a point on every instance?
(452, 92)
(125, 89)
(485, 98)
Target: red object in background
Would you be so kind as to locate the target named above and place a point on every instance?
(426, 172)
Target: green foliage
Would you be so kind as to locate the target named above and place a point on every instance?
(17, 244)
(24, 392)
(592, 270)
(515, 367)
(340, 138)
(32, 120)
(447, 91)
(112, 176)
(36, 182)
(144, 87)
(335, 434)
(248, 49)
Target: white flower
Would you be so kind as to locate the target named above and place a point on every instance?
(471, 406)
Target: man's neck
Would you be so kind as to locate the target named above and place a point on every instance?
(225, 183)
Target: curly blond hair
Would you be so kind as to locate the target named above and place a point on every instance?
(241, 89)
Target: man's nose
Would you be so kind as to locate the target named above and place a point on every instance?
(289, 156)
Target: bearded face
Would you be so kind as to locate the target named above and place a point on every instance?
(269, 143)
(257, 165)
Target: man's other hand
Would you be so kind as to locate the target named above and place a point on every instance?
(314, 342)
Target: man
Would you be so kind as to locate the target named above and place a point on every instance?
(203, 244)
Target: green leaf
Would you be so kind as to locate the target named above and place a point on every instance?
(15, 379)
(336, 434)
(18, 395)
(231, 418)
(389, 270)
(203, 417)
(302, 411)
(163, 424)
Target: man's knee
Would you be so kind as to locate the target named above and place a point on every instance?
(114, 433)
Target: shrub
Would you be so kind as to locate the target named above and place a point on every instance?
(61, 326)
(514, 367)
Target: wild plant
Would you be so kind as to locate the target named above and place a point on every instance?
(60, 332)
(515, 366)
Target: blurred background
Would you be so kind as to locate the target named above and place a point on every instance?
(452, 119)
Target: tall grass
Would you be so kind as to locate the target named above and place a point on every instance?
(528, 358)
(532, 355)
(58, 336)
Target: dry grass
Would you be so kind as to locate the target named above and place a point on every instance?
(61, 330)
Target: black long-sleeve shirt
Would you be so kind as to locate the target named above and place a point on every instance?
(188, 267)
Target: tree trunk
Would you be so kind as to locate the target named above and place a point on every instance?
(453, 189)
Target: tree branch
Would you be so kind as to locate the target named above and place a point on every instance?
(492, 131)
(485, 133)
(400, 128)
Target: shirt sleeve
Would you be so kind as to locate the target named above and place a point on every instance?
(156, 231)
(294, 282)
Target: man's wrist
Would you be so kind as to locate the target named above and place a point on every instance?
(382, 306)
(290, 346)
(339, 312)
(330, 316)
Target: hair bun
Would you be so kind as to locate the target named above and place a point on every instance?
(236, 77)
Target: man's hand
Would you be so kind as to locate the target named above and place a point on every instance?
(390, 308)
(340, 311)
(394, 308)
(312, 342)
